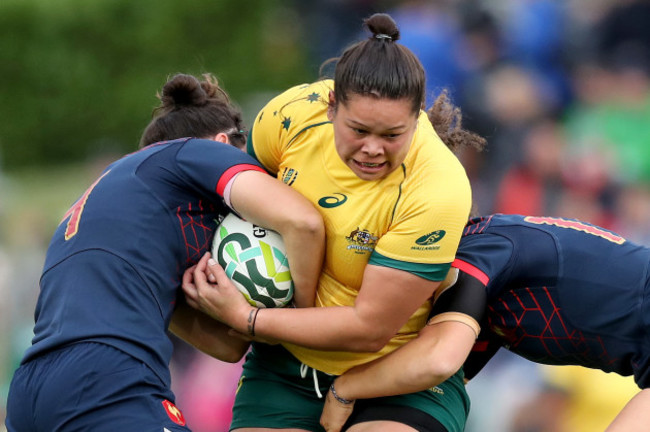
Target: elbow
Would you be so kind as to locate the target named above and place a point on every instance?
(229, 355)
(438, 370)
(369, 346)
(232, 357)
(372, 341)
(311, 223)
(307, 224)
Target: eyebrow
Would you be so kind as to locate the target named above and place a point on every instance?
(356, 123)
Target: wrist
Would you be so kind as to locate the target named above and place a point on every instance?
(339, 398)
(251, 321)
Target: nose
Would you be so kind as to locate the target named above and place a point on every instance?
(372, 146)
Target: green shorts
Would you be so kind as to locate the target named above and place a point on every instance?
(274, 394)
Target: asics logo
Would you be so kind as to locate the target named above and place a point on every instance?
(333, 200)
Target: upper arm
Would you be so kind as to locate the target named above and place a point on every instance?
(448, 345)
(388, 297)
(467, 296)
(265, 201)
(465, 303)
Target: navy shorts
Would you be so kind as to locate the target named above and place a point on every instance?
(90, 387)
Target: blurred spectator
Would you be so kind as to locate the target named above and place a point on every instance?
(632, 210)
(507, 383)
(534, 34)
(624, 32)
(327, 26)
(614, 121)
(533, 185)
(512, 103)
(431, 29)
(575, 399)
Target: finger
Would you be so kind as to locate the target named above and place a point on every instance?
(191, 302)
(187, 283)
(200, 276)
(188, 275)
(216, 273)
(203, 263)
(191, 296)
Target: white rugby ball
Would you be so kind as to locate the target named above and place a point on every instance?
(255, 260)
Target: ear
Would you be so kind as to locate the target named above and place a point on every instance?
(331, 106)
(222, 137)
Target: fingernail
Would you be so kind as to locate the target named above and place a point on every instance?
(211, 277)
(212, 262)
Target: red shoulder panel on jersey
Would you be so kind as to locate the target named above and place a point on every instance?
(471, 270)
(230, 173)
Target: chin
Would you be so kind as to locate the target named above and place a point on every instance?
(369, 177)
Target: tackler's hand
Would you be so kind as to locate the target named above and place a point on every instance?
(208, 289)
(335, 412)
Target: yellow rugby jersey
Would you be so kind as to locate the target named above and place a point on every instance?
(411, 220)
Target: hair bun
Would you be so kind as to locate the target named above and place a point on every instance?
(382, 26)
(183, 89)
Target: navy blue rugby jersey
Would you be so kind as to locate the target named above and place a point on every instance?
(559, 291)
(113, 269)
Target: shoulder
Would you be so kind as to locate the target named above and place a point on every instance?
(433, 171)
(291, 112)
(305, 99)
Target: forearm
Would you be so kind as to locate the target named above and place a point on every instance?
(377, 315)
(332, 328)
(635, 416)
(394, 374)
(269, 203)
(430, 359)
(206, 334)
(305, 245)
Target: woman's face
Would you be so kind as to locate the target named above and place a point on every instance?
(372, 136)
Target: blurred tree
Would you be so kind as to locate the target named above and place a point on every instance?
(79, 77)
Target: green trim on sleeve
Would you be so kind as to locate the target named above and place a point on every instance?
(434, 272)
(249, 145)
(250, 149)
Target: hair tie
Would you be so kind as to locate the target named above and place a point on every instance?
(381, 36)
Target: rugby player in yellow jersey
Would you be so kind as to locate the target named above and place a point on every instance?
(394, 200)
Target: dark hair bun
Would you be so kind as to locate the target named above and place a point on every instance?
(382, 24)
(183, 89)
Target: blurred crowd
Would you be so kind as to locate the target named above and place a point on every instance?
(561, 91)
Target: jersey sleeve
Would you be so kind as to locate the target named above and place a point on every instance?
(484, 256)
(485, 347)
(464, 301)
(210, 165)
(284, 118)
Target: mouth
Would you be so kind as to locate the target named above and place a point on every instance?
(369, 166)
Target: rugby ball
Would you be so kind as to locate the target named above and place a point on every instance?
(255, 260)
